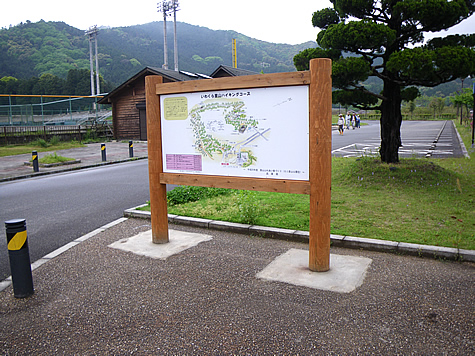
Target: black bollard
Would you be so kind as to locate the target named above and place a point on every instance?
(131, 149)
(19, 255)
(103, 151)
(34, 156)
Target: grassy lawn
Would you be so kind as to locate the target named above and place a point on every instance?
(39, 146)
(426, 201)
(53, 158)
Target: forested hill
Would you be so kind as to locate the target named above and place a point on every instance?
(33, 49)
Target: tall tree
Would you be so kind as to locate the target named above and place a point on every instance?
(385, 39)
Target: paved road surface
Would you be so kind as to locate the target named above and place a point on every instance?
(62, 207)
(419, 138)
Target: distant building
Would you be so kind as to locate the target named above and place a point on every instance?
(128, 99)
(225, 71)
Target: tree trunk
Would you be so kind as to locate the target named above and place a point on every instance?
(391, 120)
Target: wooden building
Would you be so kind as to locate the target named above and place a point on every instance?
(128, 99)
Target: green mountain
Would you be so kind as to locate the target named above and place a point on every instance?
(33, 49)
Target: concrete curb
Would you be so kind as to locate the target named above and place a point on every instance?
(49, 165)
(8, 281)
(69, 169)
(404, 248)
(462, 145)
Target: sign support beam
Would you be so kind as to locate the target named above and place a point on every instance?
(158, 191)
(320, 164)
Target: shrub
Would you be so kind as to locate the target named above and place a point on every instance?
(186, 194)
(248, 206)
(40, 142)
(54, 140)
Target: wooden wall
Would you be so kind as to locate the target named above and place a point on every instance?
(126, 119)
(126, 114)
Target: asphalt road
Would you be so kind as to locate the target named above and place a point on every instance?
(62, 207)
(417, 138)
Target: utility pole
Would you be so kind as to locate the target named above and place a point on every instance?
(164, 7)
(91, 64)
(98, 84)
(92, 35)
(175, 8)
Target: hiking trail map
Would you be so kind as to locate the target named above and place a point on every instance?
(260, 132)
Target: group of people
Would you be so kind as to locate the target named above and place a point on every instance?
(350, 119)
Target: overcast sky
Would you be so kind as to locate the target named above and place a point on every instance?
(266, 20)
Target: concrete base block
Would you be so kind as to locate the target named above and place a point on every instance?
(142, 244)
(345, 275)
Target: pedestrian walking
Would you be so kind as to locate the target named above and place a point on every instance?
(341, 123)
(347, 120)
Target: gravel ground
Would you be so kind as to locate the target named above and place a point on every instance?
(95, 300)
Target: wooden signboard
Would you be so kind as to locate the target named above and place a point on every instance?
(269, 132)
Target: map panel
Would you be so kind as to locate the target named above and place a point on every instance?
(257, 133)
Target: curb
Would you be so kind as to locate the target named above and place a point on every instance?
(69, 169)
(50, 165)
(462, 145)
(8, 281)
(404, 248)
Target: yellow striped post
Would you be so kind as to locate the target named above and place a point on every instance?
(131, 149)
(34, 159)
(103, 152)
(19, 256)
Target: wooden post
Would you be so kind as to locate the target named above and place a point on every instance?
(158, 191)
(320, 163)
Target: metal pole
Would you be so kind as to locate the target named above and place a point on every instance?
(71, 109)
(175, 42)
(164, 7)
(19, 256)
(91, 65)
(131, 149)
(34, 158)
(98, 85)
(234, 54)
(461, 104)
(103, 152)
(95, 108)
(42, 113)
(10, 109)
(473, 112)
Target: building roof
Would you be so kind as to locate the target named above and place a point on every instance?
(175, 76)
(167, 74)
(227, 71)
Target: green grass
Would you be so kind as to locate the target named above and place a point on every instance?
(39, 146)
(54, 158)
(418, 200)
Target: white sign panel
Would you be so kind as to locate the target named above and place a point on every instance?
(257, 133)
